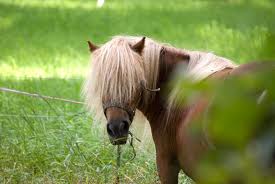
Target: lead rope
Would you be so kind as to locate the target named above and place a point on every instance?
(118, 161)
(132, 145)
(118, 158)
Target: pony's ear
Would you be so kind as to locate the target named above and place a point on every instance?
(92, 46)
(138, 47)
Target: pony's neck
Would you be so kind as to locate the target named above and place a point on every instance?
(156, 111)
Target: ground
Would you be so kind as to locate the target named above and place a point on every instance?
(43, 50)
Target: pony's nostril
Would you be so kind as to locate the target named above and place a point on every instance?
(117, 128)
(109, 130)
(124, 126)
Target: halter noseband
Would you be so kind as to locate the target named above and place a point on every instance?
(130, 111)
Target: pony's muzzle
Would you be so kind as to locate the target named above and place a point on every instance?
(118, 131)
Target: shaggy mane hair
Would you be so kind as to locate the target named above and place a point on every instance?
(201, 65)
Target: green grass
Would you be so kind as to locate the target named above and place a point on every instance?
(43, 49)
(62, 146)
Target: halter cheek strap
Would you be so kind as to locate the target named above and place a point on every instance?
(130, 111)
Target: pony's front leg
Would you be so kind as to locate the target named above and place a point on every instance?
(168, 169)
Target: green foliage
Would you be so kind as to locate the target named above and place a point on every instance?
(239, 123)
(43, 49)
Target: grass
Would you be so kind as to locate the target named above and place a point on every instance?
(43, 49)
(62, 146)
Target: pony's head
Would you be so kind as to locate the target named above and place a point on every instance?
(115, 83)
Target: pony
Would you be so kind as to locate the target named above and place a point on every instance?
(133, 73)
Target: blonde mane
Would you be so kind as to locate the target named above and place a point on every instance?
(117, 72)
(201, 65)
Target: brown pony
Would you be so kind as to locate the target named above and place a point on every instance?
(129, 73)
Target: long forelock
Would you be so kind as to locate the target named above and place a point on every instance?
(120, 70)
(116, 74)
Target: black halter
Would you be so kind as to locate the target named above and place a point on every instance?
(130, 111)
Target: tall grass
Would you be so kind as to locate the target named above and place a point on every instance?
(53, 142)
(43, 49)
